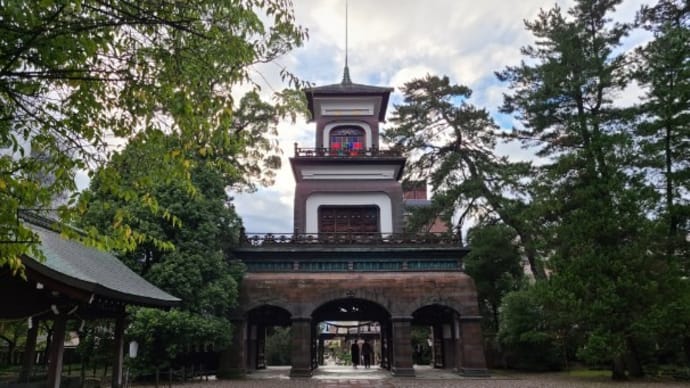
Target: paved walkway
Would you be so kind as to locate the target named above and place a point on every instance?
(341, 377)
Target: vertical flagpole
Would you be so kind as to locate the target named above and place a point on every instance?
(346, 21)
(346, 71)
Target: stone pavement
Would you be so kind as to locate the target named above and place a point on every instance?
(342, 376)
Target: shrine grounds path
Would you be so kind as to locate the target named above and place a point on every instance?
(341, 377)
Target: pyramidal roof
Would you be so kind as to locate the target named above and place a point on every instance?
(346, 86)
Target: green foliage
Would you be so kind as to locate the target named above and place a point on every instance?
(162, 335)
(278, 349)
(662, 67)
(494, 263)
(78, 77)
(525, 334)
(96, 343)
(188, 258)
(451, 143)
(13, 334)
(609, 276)
(421, 351)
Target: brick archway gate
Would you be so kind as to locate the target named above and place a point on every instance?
(406, 296)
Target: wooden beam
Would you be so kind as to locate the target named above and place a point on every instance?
(29, 357)
(57, 347)
(119, 351)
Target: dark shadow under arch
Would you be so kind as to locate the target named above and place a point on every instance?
(269, 315)
(351, 309)
(433, 314)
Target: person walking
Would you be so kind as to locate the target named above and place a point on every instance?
(366, 354)
(354, 352)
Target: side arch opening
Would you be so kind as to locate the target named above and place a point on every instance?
(435, 336)
(268, 337)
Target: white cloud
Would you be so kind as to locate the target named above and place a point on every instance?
(392, 42)
(408, 73)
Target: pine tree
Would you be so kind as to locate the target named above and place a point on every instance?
(452, 144)
(597, 204)
(663, 69)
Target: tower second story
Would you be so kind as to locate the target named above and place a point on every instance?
(346, 184)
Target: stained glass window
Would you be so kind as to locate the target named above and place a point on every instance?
(347, 139)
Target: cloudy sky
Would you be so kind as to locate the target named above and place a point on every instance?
(390, 43)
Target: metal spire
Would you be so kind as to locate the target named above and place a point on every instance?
(346, 72)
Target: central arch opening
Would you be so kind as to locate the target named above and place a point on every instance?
(352, 332)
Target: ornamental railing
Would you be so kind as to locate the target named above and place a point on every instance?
(277, 239)
(353, 265)
(345, 152)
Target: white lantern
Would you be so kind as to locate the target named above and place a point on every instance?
(133, 349)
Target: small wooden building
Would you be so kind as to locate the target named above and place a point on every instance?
(72, 282)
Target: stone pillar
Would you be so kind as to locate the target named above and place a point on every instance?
(321, 351)
(402, 347)
(437, 358)
(252, 347)
(301, 347)
(260, 347)
(458, 346)
(449, 335)
(386, 348)
(119, 351)
(473, 362)
(29, 353)
(57, 346)
(233, 360)
(314, 347)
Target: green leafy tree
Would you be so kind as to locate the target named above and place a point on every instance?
(13, 334)
(421, 351)
(163, 335)
(451, 142)
(278, 349)
(96, 344)
(525, 334)
(494, 263)
(195, 266)
(77, 76)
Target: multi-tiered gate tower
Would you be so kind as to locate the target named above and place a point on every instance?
(349, 258)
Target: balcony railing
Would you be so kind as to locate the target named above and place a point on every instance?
(277, 239)
(345, 153)
(341, 265)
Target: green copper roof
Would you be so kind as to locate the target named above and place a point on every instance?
(93, 270)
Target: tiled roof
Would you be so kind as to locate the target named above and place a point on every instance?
(348, 88)
(92, 270)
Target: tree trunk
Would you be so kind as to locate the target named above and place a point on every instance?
(632, 360)
(514, 222)
(82, 373)
(618, 369)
